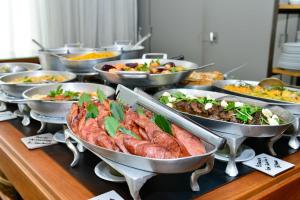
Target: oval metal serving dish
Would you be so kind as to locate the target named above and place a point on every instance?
(169, 166)
(144, 79)
(179, 165)
(85, 66)
(17, 89)
(237, 128)
(8, 68)
(292, 107)
(60, 108)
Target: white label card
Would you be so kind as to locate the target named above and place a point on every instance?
(268, 164)
(7, 115)
(111, 195)
(38, 141)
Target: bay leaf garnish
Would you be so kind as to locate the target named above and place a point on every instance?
(100, 95)
(117, 110)
(162, 123)
(111, 125)
(129, 132)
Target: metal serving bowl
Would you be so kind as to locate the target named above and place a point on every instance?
(238, 128)
(16, 90)
(85, 66)
(144, 79)
(18, 67)
(60, 108)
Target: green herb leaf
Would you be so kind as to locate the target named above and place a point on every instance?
(163, 123)
(111, 125)
(101, 96)
(179, 95)
(140, 110)
(56, 92)
(71, 94)
(164, 99)
(84, 98)
(117, 110)
(92, 111)
(129, 132)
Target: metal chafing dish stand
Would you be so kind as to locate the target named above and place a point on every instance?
(135, 175)
(22, 111)
(234, 133)
(292, 107)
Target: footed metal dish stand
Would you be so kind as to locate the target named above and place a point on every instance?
(135, 178)
(22, 111)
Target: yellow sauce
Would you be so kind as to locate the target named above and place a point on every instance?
(92, 56)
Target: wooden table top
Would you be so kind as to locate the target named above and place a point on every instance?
(44, 174)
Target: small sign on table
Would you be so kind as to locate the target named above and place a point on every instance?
(38, 141)
(268, 164)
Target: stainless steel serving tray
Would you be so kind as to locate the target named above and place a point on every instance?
(179, 165)
(143, 79)
(292, 107)
(16, 90)
(237, 128)
(25, 65)
(85, 66)
(59, 109)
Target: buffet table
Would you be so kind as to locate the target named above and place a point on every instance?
(45, 173)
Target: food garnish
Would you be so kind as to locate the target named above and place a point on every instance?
(154, 67)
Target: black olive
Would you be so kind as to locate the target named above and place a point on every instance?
(171, 64)
(107, 67)
(132, 65)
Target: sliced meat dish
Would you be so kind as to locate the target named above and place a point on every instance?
(147, 149)
(192, 144)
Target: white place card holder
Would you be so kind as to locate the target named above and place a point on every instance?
(111, 195)
(7, 115)
(268, 164)
(38, 141)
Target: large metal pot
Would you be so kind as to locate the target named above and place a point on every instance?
(50, 61)
(16, 90)
(128, 51)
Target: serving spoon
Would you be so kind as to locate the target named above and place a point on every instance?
(274, 82)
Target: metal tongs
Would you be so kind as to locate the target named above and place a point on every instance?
(139, 97)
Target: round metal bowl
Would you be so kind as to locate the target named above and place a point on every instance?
(49, 58)
(12, 67)
(237, 128)
(60, 108)
(144, 79)
(16, 90)
(85, 66)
